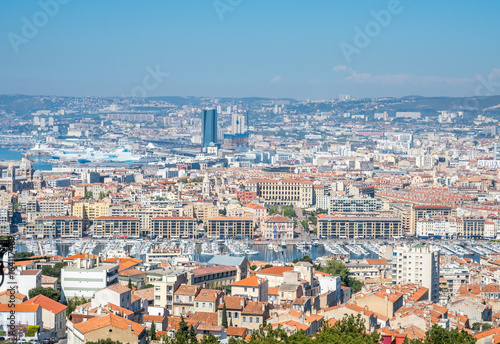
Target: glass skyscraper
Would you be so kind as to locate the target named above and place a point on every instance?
(209, 129)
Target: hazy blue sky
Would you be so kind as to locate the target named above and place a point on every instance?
(272, 48)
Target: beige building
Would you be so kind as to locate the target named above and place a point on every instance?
(174, 227)
(184, 298)
(296, 192)
(253, 288)
(277, 227)
(419, 212)
(203, 211)
(58, 226)
(352, 227)
(116, 226)
(208, 300)
(53, 315)
(110, 326)
(88, 211)
(223, 226)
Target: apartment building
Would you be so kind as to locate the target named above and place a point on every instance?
(473, 227)
(348, 204)
(146, 214)
(418, 265)
(88, 211)
(351, 227)
(230, 227)
(174, 227)
(440, 227)
(213, 276)
(203, 211)
(58, 226)
(85, 275)
(116, 226)
(184, 298)
(295, 192)
(165, 283)
(420, 212)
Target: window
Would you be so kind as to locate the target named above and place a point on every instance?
(203, 305)
(210, 305)
(157, 297)
(157, 288)
(197, 304)
(244, 320)
(177, 298)
(235, 315)
(190, 299)
(250, 320)
(257, 320)
(245, 289)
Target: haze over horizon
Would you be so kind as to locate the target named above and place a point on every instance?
(249, 48)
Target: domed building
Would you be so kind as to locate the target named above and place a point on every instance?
(25, 179)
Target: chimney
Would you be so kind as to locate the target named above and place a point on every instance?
(263, 307)
(242, 302)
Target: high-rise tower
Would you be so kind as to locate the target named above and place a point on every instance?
(209, 127)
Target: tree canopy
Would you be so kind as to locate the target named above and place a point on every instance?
(337, 268)
(49, 292)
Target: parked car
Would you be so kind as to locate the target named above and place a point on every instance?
(46, 341)
(54, 340)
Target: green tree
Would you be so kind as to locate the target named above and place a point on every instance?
(89, 195)
(73, 303)
(152, 331)
(253, 267)
(438, 335)
(129, 283)
(224, 316)
(192, 335)
(211, 339)
(53, 270)
(337, 268)
(288, 211)
(102, 195)
(481, 326)
(23, 255)
(273, 210)
(48, 292)
(105, 341)
(305, 224)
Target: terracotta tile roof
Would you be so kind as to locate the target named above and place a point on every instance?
(210, 318)
(29, 272)
(132, 272)
(81, 256)
(118, 288)
(208, 295)
(252, 281)
(257, 308)
(206, 327)
(187, 290)
(147, 294)
(227, 218)
(208, 270)
(48, 279)
(16, 295)
(46, 303)
(273, 291)
(156, 318)
(377, 261)
(236, 331)
(20, 307)
(233, 302)
(275, 270)
(117, 218)
(109, 320)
